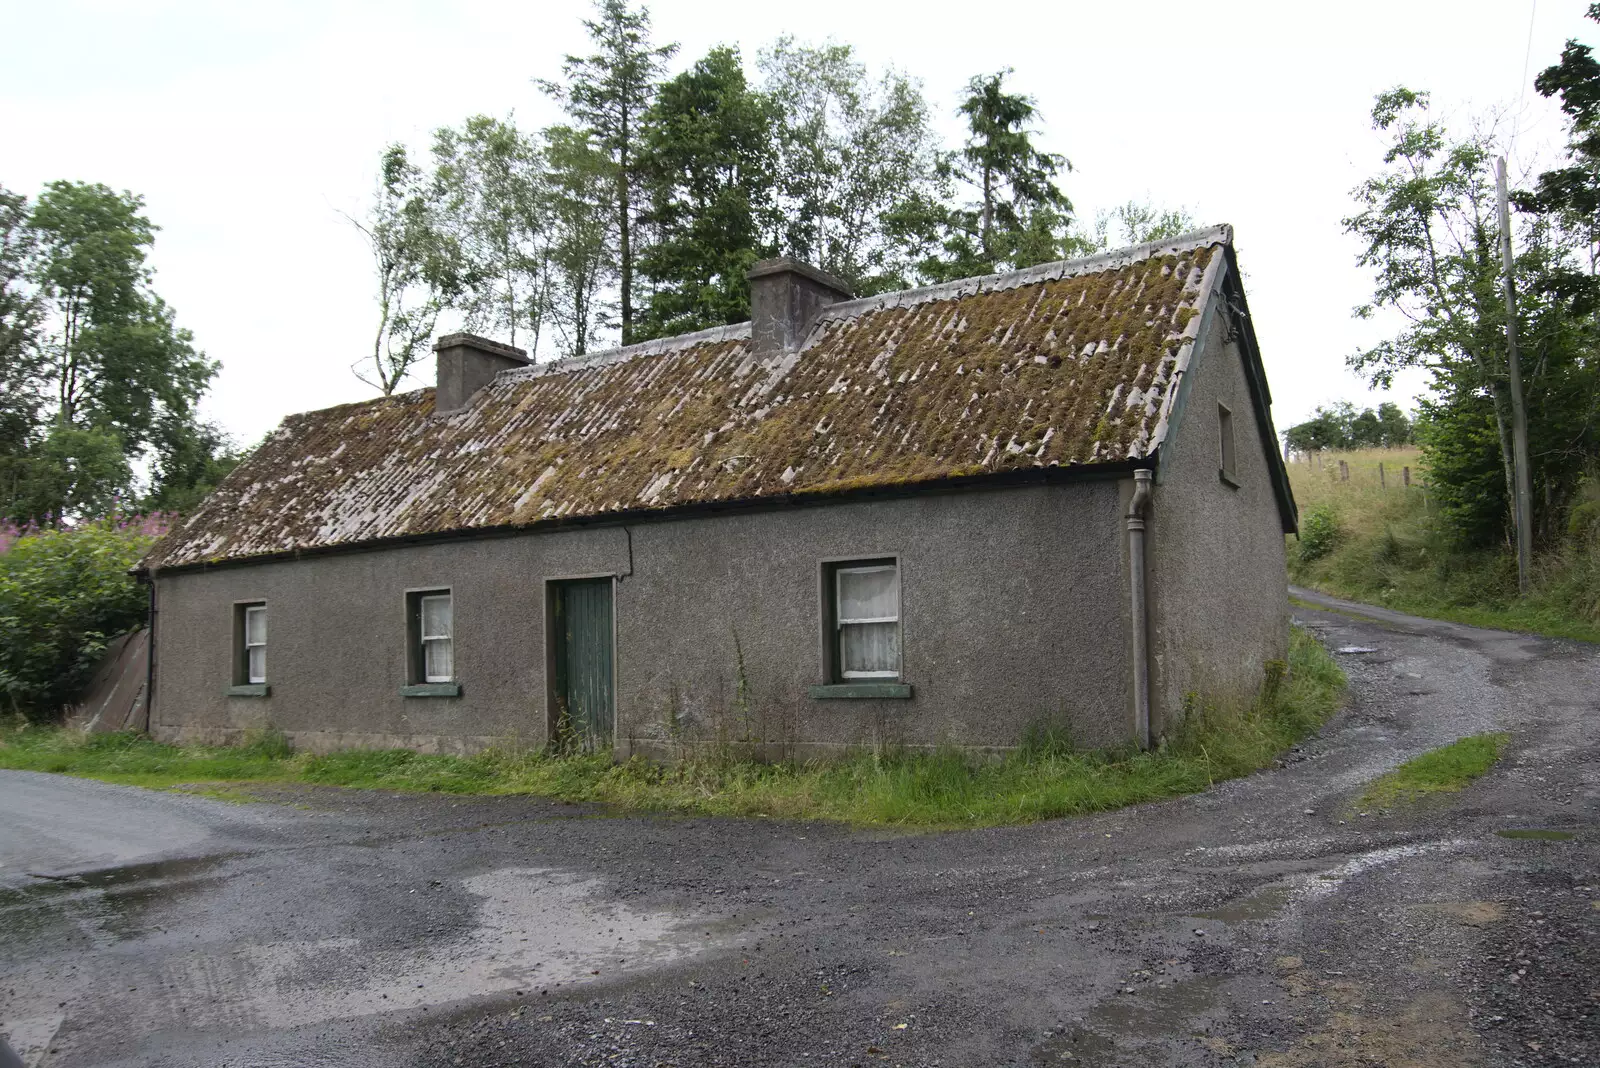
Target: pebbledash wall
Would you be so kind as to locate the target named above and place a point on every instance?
(1217, 580)
(1014, 610)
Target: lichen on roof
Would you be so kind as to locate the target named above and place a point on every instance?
(1063, 365)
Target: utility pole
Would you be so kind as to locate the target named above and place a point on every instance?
(1522, 507)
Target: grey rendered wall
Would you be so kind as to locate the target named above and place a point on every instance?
(1013, 610)
(1218, 586)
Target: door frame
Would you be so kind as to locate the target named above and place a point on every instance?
(551, 638)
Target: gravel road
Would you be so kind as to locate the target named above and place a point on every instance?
(1268, 922)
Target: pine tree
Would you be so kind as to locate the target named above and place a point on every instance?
(607, 94)
(1021, 216)
(709, 165)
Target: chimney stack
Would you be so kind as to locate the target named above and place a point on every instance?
(466, 363)
(786, 296)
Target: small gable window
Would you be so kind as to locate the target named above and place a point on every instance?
(432, 637)
(866, 621)
(1225, 445)
(250, 630)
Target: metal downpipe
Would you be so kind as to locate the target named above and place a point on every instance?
(1138, 508)
(150, 653)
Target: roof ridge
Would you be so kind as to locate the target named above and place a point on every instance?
(365, 402)
(623, 353)
(1111, 260)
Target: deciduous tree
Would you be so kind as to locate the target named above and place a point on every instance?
(1341, 426)
(109, 379)
(418, 266)
(859, 165)
(1428, 223)
(1571, 193)
(582, 250)
(1133, 222)
(495, 203)
(21, 317)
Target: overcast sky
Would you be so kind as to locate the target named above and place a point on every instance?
(248, 128)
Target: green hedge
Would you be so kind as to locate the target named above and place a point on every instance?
(64, 594)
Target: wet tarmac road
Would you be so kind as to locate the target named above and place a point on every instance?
(1266, 922)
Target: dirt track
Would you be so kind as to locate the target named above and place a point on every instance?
(1263, 923)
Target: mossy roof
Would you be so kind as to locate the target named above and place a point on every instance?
(1065, 365)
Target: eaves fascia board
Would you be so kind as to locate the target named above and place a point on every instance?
(1223, 281)
(1261, 398)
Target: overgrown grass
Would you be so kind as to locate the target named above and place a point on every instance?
(132, 759)
(1442, 770)
(1044, 778)
(1383, 546)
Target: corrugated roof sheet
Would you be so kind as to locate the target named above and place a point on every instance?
(1062, 365)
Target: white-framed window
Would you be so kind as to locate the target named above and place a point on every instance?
(866, 620)
(253, 643)
(435, 636)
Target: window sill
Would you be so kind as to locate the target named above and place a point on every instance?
(432, 689)
(862, 690)
(1228, 479)
(250, 689)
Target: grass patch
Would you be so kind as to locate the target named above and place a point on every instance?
(1380, 543)
(1443, 770)
(1045, 777)
(132, 759)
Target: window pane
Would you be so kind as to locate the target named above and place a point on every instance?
(255, 626)
(1225, 425)
(873, 593)
(437, 666)
(869, 649)
(258, 663)
(436, 617)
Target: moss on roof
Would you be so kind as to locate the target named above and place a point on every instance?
(1059, 366)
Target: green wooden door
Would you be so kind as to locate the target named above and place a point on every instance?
(583, 662)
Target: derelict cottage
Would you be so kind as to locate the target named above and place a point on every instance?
(929, 517)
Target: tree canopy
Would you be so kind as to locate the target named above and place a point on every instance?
(1341, 426)
(1431, 237)
(643, 211)
(708, 164)
(99, 378)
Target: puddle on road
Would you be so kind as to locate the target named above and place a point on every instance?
(114, 901)
(1132, 1029)
(159, 870)
(536, 928)
(1156, 1012)
(1076, 1045)
(30, 1036)
(1539, 833)
(1264, 904)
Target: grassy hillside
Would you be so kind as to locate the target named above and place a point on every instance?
(1379, 542)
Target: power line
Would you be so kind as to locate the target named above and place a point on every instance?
(1522, 87)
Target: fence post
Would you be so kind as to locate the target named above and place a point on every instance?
(1344, 471)
(1405, 476)
(1382, 484)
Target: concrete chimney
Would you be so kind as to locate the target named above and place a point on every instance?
(785, 297)
(466, 363)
